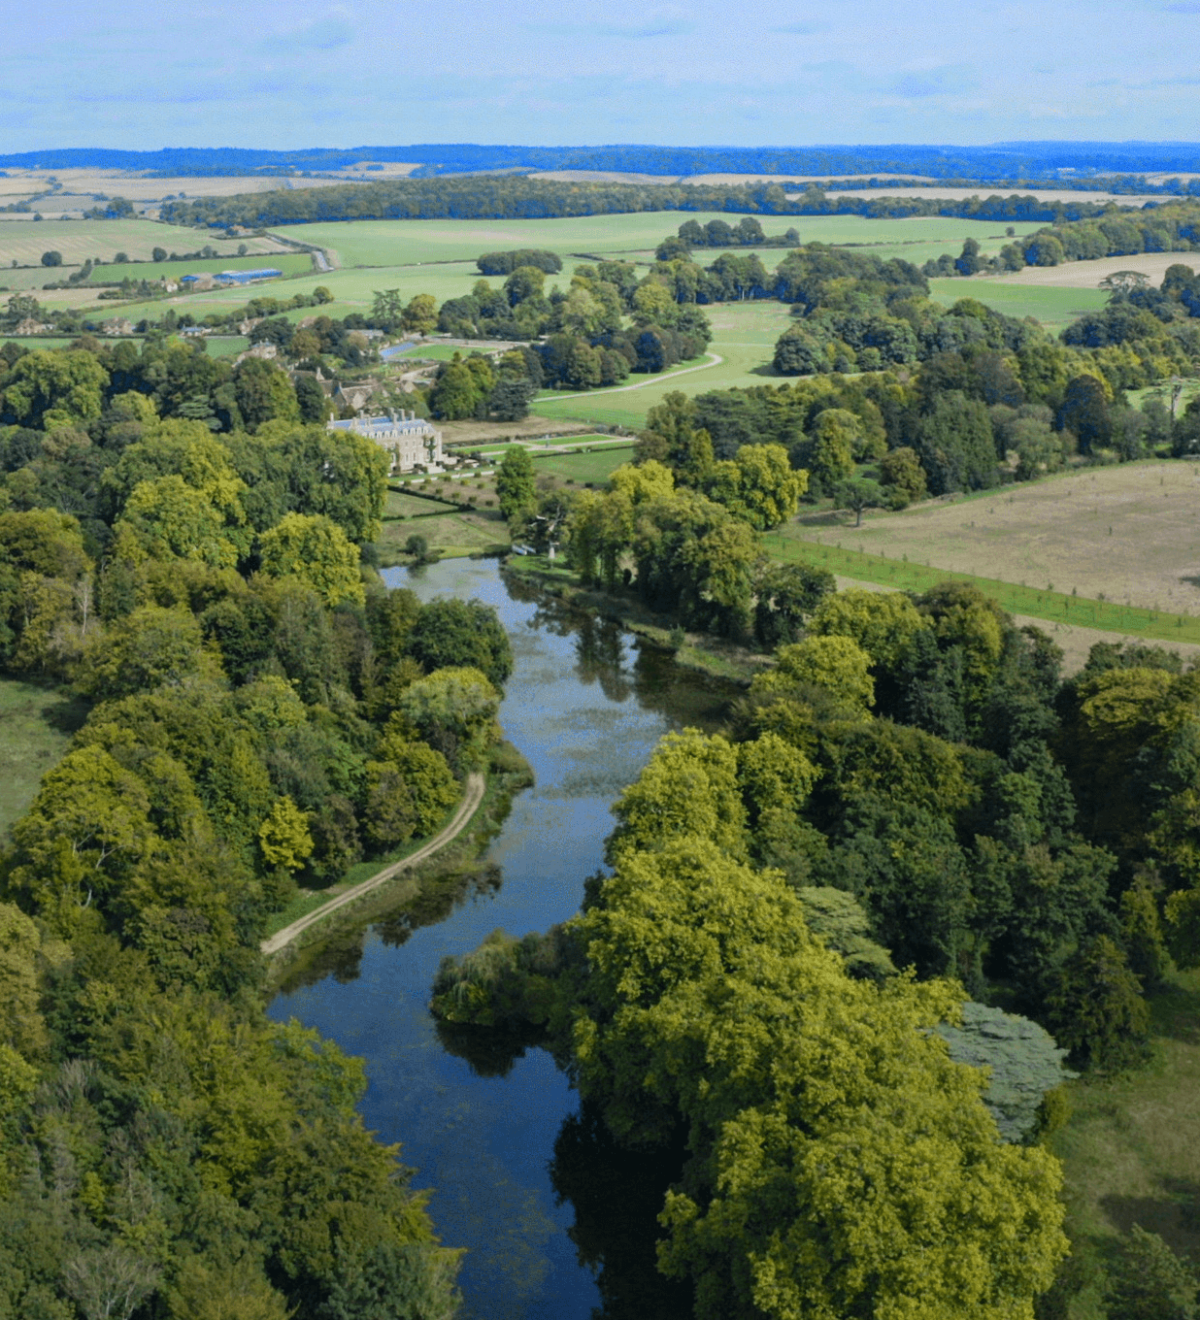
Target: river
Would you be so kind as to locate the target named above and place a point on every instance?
(585, 705)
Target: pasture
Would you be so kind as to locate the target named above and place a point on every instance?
(744, 336)
(36, 724)
(1088, 274)
(1054, 306)
(1125, 536)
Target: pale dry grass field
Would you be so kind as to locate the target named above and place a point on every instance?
(23, 240)
(949, 194)
(1088, 274)
(1127, 534)
(618, 176)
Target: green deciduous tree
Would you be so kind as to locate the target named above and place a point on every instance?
(758, 486)
(516, 484)
(454, 711)
(147, 648)
(837, 1169)
(453, 633)
(314, 550)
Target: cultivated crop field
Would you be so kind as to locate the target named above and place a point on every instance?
(24, 241)
(1126, 535)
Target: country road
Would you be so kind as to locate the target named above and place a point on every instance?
(466, 809)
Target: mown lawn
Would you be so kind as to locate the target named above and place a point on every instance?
(595, 467)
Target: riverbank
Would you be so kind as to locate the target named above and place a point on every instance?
(696, 651)
(415, 889)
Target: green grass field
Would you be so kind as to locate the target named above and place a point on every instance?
(744, 336)
(1054, 308)
(433, 353)
(595, 467)
(453, 535)
(290, 263)
(403, 242)
(1131, 1151)
(400, 505)
(36, 723)
(438, 256)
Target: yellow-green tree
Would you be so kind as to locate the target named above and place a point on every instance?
(315, 550)
(837, 666)
(284, 836)
(883, 623)
(841, 1164)
(758, 486)
(165, 518)
(835, 436)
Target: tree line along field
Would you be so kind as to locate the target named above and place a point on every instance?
(438, 256)
(1125, 536)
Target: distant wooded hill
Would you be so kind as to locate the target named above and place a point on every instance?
(1023, 161)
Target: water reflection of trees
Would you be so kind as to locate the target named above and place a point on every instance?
(490, 1051)
(617, 1195)
(684, 696)
(340, 956)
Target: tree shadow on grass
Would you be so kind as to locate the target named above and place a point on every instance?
(65, 714)
(1174, 1213)
(1175, 1013)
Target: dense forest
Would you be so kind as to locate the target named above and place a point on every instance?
(262, 711)
(912, 785)
(515, 196)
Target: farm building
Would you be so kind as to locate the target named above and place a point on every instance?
(411, 440)
(247, 276)
(204, 280)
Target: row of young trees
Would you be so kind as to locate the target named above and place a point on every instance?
(262, 711)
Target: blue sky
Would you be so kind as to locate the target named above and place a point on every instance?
(262, 73)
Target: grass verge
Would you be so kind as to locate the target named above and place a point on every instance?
(1053, 606)
(413, 898)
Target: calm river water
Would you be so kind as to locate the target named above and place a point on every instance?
(586, 707)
